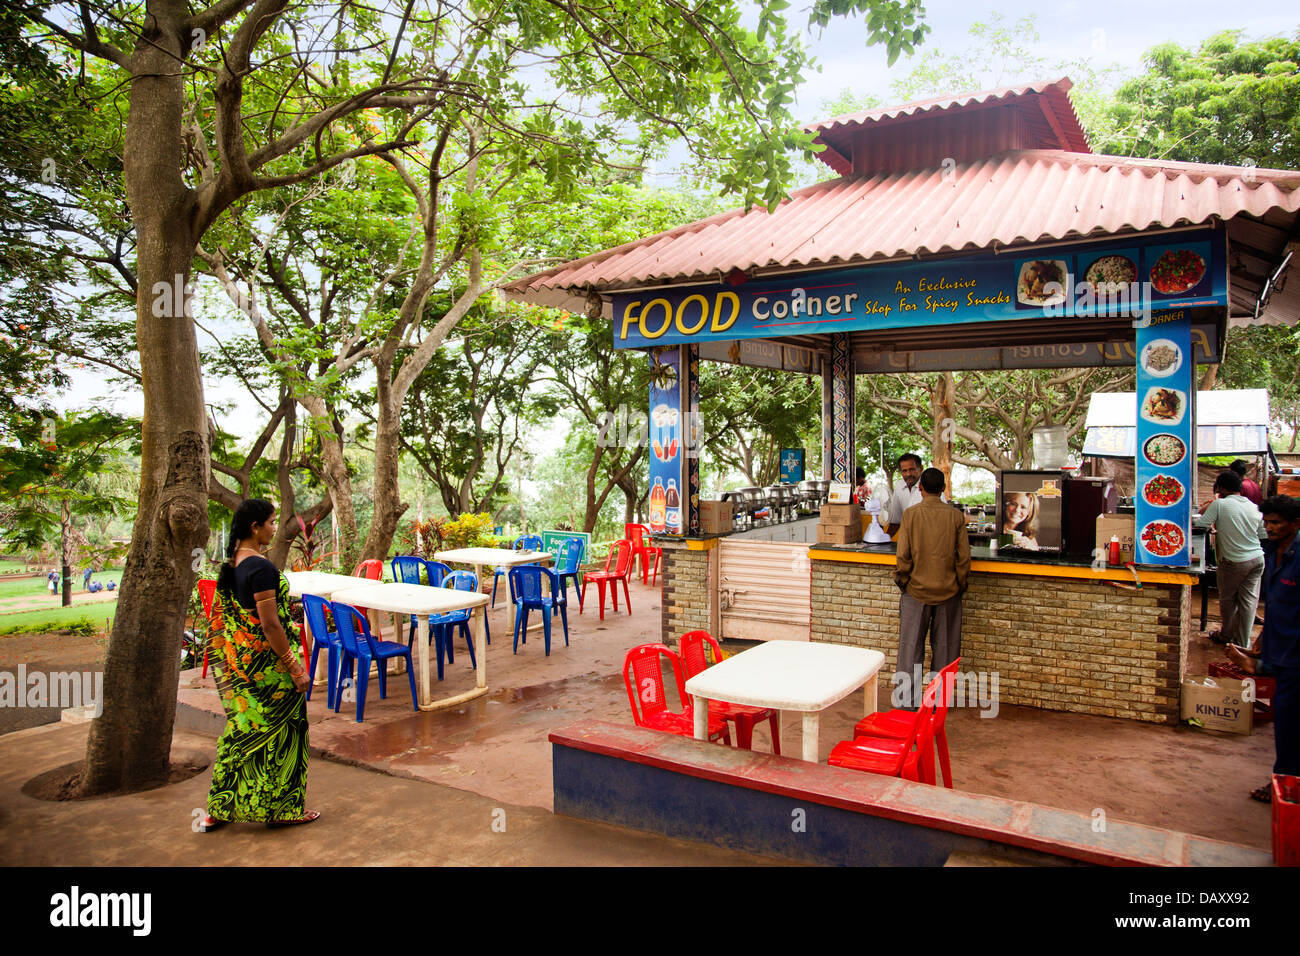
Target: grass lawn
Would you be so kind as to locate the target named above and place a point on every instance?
(53, 619)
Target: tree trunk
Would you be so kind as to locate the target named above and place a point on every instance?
(338, 482)
(941, 409)
(389, 506)
(130, 743)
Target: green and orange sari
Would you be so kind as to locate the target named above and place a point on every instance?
(260, 774)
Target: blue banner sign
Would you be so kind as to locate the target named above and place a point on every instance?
(1127, 277)
(667, 440)
(1165, 466)
(791, 465)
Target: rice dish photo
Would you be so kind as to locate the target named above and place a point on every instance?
(1164, 449)
(1111, 270)
(1036, 276)
(1163, 406)
(1162, 358)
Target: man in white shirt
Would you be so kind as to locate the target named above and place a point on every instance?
(1240, 566)
(910, 467)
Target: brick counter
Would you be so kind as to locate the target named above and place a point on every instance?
(1058, 642)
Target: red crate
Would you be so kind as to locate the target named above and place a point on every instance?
(1286, 820)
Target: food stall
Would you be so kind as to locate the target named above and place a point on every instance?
(970, 232)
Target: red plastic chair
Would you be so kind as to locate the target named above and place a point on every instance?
(620, 555)
(644, 678)
(900, 724)
(695, 659)
(207, 591)
(911, 759)
(371, 569)
(641, 548)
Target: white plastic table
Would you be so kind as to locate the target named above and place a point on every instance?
(788, 675)
(422, 600)
(494, 558)
(324, 584)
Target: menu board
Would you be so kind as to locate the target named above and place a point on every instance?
(1127, 277)
(1165, 478)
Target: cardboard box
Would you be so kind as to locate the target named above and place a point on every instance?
(1218, 704)
(716, 517)
(839, 533)
(1121, 526)
(842, 514)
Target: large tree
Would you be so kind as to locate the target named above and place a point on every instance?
(351, 82)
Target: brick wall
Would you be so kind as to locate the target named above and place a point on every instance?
(1058, 643)
(685, 604)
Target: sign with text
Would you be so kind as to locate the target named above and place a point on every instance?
(1127, 277)
(792, 465)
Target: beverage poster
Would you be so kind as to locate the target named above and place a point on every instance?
(666, 441)
(1165, 473)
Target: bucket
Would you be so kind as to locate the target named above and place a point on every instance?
(1050, 446)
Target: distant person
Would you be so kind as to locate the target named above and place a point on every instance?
(861, 489)
(909, 466)
(1240, 562)
(1249, 489)
(933, 567)
(52, 579)
(90, 569)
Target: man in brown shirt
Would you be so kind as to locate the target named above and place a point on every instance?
(933, 565)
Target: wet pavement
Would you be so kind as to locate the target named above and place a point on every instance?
(496, 746)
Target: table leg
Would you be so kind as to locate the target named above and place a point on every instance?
(701, 717)
(478, 631)
(422, 656)
(811, 735)
(869, 696)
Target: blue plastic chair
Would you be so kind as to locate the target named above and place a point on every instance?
(526, 582)
(568, 566)
(436, 572)
(407, 568)
(313, 608)
(447, 623)
(496, 576)
(360, 648)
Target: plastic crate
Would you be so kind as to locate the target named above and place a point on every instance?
(1286, 820)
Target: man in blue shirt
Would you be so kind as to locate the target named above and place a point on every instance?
(1279, 654)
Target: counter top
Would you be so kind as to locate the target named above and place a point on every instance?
(1016, 562)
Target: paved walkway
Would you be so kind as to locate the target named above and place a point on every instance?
(367, 819)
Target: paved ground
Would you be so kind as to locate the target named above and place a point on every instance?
(367, 819)
(493, 751)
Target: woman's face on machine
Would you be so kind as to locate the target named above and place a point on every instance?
(1017, 509)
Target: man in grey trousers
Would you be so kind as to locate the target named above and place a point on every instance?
(1240, 559)
(933, 566)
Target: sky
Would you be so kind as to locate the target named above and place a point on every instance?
(1103, 32)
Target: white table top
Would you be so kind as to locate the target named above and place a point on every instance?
(321, 582)
(790, 675)
(501, 557)
(410, 598)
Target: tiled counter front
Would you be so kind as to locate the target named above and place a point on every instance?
(1060, 642)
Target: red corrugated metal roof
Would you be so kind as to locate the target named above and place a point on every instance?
(1016, 198)
(1046, 103)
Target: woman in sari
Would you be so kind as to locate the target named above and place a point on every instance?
(260, 773)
